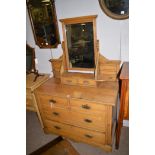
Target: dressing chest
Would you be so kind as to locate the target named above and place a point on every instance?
(81, 102)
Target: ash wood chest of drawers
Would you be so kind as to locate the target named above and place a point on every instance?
(84, 114)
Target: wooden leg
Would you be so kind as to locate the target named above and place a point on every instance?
(121, 114)
(118, 133)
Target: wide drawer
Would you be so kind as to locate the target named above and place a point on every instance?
(51, 101)
(76, 133)
(93, 122)
(57, 114)
(87, 106)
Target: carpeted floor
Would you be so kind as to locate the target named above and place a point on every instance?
(36, 138)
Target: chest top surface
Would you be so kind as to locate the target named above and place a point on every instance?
(30, 84)
(105, 93)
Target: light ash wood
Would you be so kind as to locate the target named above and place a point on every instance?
(85, 103)
(107, 70)
(78, 79)
(31, 103)
(87, 112)
(105, 93)
(56, 66)
(79, 134)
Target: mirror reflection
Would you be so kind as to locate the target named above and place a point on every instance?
(118, 6)
(80, 45)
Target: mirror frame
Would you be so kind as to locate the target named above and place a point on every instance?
(111, 14)
(54, 21)
(77, 20)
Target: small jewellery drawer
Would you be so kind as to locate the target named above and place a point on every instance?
(87, 106)
(48, 100)
(57, 114)
(69, 81)
(108, 68)
(87, 82)
(76, 133)
(78, 81)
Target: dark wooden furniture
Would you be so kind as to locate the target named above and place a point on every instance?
(58, 146)
(44, 22)
(124, 100)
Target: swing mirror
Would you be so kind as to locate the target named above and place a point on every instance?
(80, 42)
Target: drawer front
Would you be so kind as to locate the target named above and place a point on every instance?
(50, 101)
(76, 133)
(87, 106)
(87, 121)
(68, 81)
(87, 82)
(57, 114)
(109, 77)
(108, 67)
(75, 81)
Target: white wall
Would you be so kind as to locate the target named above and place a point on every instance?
(108, 32)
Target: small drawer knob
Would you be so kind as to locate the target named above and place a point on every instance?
(85, 106)
(57, 127)
(52, 101)
(55, 113)
(88, 136)
(69, 81)
(88, 120)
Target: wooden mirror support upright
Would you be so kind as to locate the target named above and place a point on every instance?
(43, 19)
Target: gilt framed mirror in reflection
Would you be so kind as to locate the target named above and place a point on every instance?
(43, 19)
(116, 9)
